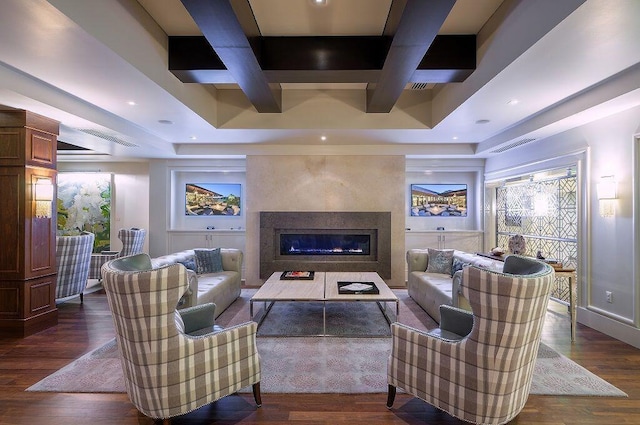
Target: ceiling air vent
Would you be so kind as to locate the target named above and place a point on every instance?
(513, 145)
(108, 137)
(419, 86)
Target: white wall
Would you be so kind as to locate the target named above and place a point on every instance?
(166, 196)
(607, 145)
(130, 194)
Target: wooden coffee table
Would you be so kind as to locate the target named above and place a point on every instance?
(323, 288)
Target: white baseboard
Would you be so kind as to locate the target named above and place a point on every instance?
(615, 329)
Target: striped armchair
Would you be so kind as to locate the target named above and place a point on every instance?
(73, 257)
(132, 243)
(483, 376)
(167, 371)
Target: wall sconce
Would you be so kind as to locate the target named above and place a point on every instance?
(43, 195)
(607, 194)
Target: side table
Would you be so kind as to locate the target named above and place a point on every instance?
(97, 260)
(573, 295)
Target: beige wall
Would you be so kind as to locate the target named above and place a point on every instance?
(326, 183)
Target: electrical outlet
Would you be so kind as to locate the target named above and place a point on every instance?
(609, 296)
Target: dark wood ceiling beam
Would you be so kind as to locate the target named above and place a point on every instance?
(451, 58)
(420, 22)
(220, 26)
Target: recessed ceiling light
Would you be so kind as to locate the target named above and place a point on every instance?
(455, 137)
(483, 121)
(319, 2)
(323, 138)
(131, 103)
(192, 137)
(513, 102)
(165, 121)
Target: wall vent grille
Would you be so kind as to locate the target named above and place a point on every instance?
(513, 145)
(419, 86)
(108, 137)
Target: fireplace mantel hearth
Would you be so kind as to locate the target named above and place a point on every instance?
(362, 242)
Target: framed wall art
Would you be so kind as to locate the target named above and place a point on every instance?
(84, 204)
(438, 200)
(213, 199)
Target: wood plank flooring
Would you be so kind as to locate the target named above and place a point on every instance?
(82, 328)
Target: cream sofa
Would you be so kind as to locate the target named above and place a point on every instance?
(221, 288)
(431, 290)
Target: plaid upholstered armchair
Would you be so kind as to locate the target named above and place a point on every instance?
(132, 243)
(477, 366)
(73, 256)
(168, 369)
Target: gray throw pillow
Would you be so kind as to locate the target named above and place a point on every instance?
(208, 260)
(440, 261)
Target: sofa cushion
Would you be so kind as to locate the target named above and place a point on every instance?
(457, 264)
(440, 261)
(189, 263)
(208, 260)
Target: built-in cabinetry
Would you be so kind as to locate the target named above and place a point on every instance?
(179, 240)
(462, 240)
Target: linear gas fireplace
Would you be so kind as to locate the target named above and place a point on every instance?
(314, 243)
(325, 241)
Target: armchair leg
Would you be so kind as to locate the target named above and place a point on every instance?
(391, 396)
(256, 394)
(81, 298)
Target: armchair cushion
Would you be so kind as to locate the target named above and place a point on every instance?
(197, 320)
(455, 323)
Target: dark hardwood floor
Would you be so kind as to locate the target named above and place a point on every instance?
(82, 328)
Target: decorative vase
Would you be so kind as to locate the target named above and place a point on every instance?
(517, 244)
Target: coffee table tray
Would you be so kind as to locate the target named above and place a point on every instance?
(357, 288)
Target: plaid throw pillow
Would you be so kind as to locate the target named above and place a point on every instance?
(440, 261)
(208, 260)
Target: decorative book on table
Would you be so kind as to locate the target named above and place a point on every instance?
(357, 288)
(297, 275)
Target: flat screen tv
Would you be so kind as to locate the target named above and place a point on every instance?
(218, 199)
(438, 200)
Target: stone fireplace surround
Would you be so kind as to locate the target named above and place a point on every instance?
(375, 224)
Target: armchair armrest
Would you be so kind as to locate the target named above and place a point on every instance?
(198, 317)
(455, 323)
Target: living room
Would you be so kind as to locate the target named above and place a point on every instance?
(367, 162)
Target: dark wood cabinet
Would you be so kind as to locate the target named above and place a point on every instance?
(27, 244)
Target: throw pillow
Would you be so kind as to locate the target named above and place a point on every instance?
(440, 261)
(208, 260)
(189, 264)
(457, 265)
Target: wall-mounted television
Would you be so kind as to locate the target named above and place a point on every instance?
(213, 199)
(438, 200)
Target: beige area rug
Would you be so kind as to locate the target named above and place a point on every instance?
(323, 364)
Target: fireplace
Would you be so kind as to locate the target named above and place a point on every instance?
(325, 241)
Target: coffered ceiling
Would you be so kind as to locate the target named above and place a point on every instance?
(210, 78)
